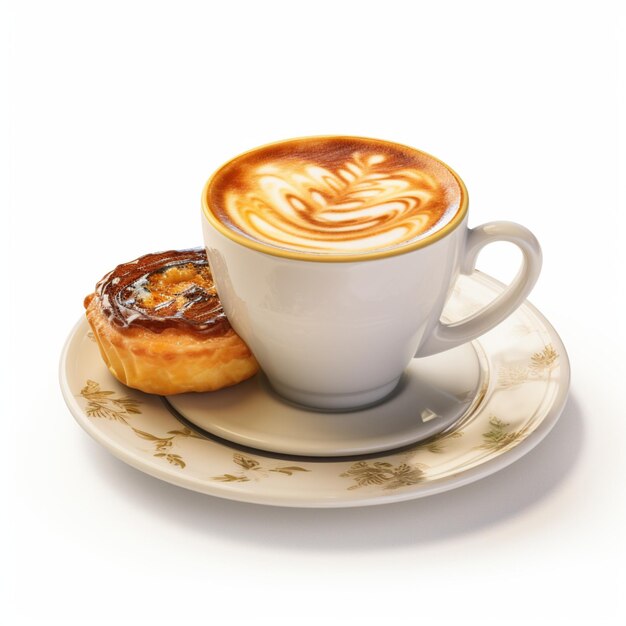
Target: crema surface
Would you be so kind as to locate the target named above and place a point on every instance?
(334, 195)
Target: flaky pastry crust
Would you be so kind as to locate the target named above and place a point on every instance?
(172, 361)
(161, 328)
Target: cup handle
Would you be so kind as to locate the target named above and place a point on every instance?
(446, 336)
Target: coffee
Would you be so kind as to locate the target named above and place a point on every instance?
(334, 195)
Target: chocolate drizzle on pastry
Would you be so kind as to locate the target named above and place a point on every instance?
(172, 289)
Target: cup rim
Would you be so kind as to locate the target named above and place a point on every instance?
(300, 255)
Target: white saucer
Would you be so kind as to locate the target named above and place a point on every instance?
(435, 393)
(516, 406)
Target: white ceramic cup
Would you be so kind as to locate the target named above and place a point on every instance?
(336, 333)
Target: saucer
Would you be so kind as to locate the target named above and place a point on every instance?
(426, 402)
(524, 379)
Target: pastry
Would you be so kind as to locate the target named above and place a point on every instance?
(161, 328)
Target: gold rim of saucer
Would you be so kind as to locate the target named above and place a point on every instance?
(334, 258)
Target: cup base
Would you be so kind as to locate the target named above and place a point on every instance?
(433, 395)
(335, 402)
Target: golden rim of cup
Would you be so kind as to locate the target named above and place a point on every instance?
(318, 257)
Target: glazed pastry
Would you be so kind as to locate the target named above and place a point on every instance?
(161, 328)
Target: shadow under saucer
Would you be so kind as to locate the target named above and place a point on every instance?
(464, 511)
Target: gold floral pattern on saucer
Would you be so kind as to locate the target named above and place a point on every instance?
(526, 393)
(384, 474)
(541, 364)
(499, 436)
(104, 404)
(253, 470)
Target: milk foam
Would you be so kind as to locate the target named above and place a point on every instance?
(349, 195)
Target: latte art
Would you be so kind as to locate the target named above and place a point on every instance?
(341, 195)
(358, 207)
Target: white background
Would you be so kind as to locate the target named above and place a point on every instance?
(117, 112)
